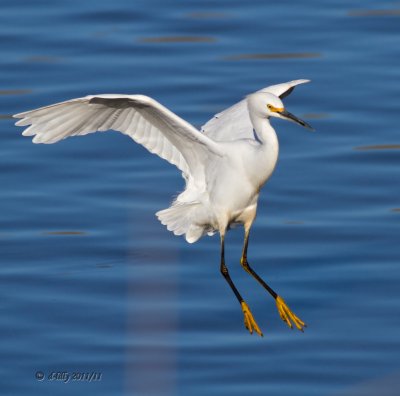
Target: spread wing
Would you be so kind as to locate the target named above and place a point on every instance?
(234, 122)
(145, 120)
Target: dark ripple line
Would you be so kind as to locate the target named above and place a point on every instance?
(15, 91)
(288, 55)
(178, 39)
(367, 13)
(379, 147)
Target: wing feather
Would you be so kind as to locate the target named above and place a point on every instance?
(125, 121)
(145, 120)
(234, 122)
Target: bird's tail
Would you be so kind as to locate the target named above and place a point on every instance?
(179, 218)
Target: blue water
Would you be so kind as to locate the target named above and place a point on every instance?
(91, 282)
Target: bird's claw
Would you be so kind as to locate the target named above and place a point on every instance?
(249, 321)
(287, 315)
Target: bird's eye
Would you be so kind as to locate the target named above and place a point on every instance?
(269, 106)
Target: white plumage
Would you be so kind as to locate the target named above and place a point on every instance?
(234, 122)
(224, 166)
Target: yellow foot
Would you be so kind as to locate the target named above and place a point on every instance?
(288, 316)
(249, 321)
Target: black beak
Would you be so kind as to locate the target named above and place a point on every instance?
(289, 116)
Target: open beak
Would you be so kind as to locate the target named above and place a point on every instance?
(289, 116)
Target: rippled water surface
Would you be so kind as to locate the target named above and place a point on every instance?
(91, 282)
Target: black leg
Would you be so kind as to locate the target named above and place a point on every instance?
(225, 272)
(284, 311)
(249, 321)
(249, 270)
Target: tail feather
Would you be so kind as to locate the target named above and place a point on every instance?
(180, 219)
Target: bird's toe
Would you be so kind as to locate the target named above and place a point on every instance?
(249, 321)
(288, 316)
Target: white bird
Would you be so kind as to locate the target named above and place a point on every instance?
(224, 166)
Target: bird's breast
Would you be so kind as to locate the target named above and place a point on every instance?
(259, 163)
(235, 180)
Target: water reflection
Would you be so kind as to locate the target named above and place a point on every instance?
(379, 147)
(42, 59)
(288, 55)
(65, 233)
(207, 15)
(368, 13)
(15, 91)
(105, 265)
(178, 39)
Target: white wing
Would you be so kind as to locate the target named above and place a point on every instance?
(234, 122)
(145, 120)
(284, 89)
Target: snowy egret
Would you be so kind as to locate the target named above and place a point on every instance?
(224, 166)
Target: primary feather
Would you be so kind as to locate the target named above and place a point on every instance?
(145, 120)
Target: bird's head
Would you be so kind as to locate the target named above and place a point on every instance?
(266, 105)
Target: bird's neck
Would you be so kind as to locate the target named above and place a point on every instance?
(267, 154)
(264, 132)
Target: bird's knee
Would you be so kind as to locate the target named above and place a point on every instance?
(244, 263)
(224, 270)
